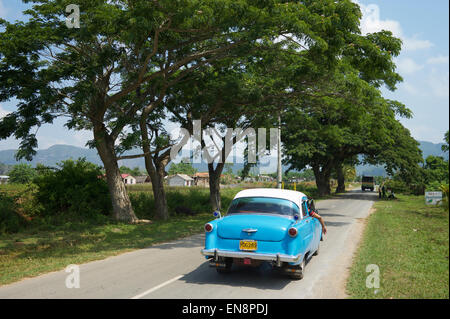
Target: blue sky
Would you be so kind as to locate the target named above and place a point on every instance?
(424, 64)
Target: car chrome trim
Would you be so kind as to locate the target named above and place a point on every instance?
(250, 230)
(258, 256)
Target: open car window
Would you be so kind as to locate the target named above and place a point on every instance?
(263, 205)
(305, 210)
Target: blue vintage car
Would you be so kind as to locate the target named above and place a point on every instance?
(264, 225)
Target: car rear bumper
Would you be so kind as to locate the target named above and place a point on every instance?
(257, 256)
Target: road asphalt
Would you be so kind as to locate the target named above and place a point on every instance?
(177, 270)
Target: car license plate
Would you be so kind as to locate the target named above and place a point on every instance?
(248, 245)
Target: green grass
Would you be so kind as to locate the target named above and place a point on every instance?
(34, 251)
(49, 246)
(409, 242)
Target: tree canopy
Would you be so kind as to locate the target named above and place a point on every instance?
(134, 65)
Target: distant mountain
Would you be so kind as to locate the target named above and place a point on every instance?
(58, 153)
(53, 155)
(427, 148)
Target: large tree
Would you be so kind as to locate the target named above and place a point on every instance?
(222, 94)
(123, 49)
(345, 117)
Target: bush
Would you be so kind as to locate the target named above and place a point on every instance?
(143, 204)
(433, 187)
(75, 189)
(445, 193)
(10, 220)
(397, 186)
(22, 174)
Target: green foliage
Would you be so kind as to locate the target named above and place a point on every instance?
(436, 169)
(4, 169)
(75, 189)
(433, 186)
(306, 174)
(22, 174)
(445, 191)
(307, 189)
(347, 116)
(194, 198)
(445, 147)
(10, 220)
(133, 172)
(182, 168)
(397, 186)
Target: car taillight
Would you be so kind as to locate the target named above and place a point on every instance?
(292, 231)
(208, 227)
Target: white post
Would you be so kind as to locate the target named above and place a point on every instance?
(279, 168)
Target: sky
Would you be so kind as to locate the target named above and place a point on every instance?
(423, 63)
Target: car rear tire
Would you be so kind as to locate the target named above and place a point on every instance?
(299, 274)
(227, 268)
(317, 251)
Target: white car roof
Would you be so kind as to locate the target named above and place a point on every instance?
(293, 196)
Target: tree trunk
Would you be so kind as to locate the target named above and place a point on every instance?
(122, 209)
(157, 177)
(155, 166)
(322, 180)
(214, 185)
(340, 178)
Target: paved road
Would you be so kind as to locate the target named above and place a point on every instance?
(177, 269)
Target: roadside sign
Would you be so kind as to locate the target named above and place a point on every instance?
(433, 198)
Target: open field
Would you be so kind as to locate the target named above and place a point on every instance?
(409, 242)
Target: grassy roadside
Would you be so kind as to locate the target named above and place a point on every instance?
(43, 248)
(47, 247)
(34, 252)
(409, 242)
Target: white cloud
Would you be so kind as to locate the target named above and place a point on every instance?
(80, 138)
(46, 142)
(408, 66)
(440, 59)
(439, 83)
(409, 88)
(3, 112)
(424, 132)
(413, 44)
(371, 22)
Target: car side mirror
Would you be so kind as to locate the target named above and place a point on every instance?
(217, 214)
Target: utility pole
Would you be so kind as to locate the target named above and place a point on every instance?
(279, 172)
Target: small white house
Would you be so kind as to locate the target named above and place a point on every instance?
(180, 180)
(128, 179)
(265, 178)
(4, 179)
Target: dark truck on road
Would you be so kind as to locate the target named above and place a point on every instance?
(367, 183)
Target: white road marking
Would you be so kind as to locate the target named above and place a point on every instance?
(157, 287)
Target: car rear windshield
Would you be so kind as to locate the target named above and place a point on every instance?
(263, 205)
(368, 179)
